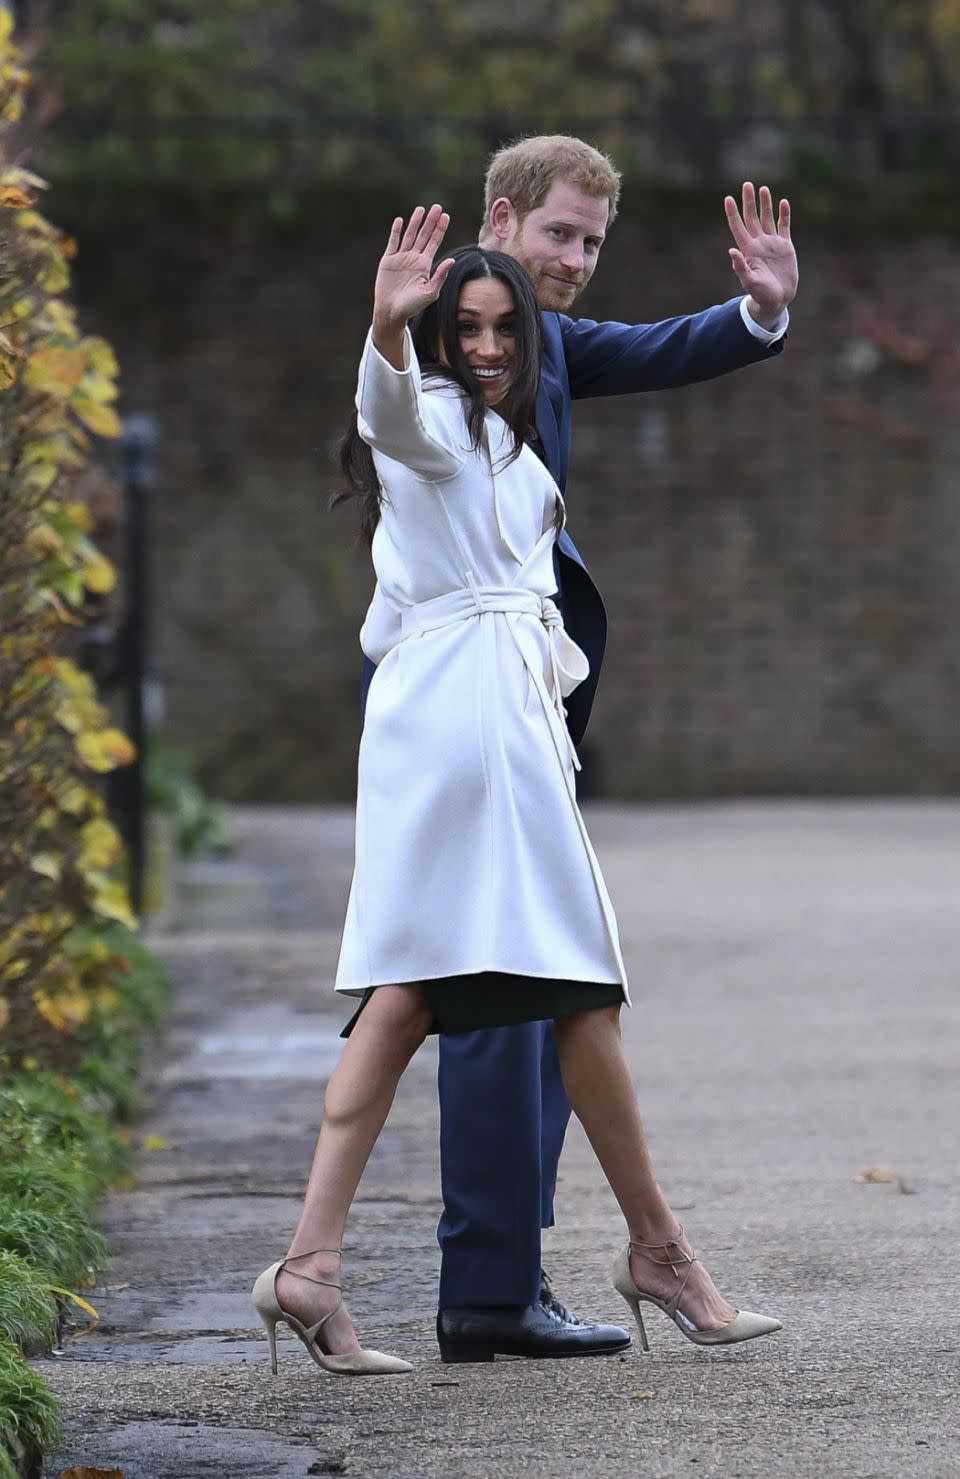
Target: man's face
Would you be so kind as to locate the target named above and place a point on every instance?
(558, 243)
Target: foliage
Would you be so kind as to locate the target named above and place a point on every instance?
(201, 824)
(76, 987)
(28, 1409)
(64, 1246)
(318, 88)
(60, 858)
(45, 1118)
(27, 1311)
(59, 1150)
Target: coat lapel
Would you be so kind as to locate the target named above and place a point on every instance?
(510, 517)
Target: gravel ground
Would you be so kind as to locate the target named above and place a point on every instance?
(794, 968)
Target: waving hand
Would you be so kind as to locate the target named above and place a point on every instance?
(764, 258)
(406, 278)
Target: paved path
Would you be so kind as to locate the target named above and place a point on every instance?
(796, 971)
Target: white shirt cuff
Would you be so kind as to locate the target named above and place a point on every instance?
(766, 336)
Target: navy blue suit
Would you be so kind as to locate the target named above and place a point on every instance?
(503, 1110)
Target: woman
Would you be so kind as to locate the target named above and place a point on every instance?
(477, 899)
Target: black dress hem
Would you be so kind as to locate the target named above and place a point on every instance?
(471, 1003)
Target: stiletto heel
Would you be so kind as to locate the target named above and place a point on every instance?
(635, 1305)
(271, 1328)
(743, 1326)
(268, 1307)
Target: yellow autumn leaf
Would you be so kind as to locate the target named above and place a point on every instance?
(98, 387)
(883, 1173)
(100, 355)
(52, 599)
(54, 275)
(104, 749)
(47, 865)
(43, 540)
(103, 420)
(4, 1013)
(63, 318)
(26, 179)
(91, 751)
(78, 514)
(47, 1007)
(15, 199)
(31, 220)
(89, 1310)
(74, 800)
(74, 678)
(64, 1009)
(8, 372)
(55, 371)
(118, 746)
(155, 1142)
(99, 575)
(69, 717)
(39, 477)
(101, 844)
(113, 902)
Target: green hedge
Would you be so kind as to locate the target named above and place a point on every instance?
(62, 1144)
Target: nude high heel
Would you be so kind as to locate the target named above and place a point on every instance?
(268, 1307)
(743, 1326)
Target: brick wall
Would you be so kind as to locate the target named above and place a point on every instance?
(778, 550)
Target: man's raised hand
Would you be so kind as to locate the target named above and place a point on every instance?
(406, 279)
(764, 258)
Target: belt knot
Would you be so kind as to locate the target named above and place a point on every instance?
(550, 612)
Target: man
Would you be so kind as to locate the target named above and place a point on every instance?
(503, 1113)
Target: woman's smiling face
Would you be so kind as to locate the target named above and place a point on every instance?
(486, 328)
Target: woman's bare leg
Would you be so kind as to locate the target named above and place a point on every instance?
(361, 1089)
(601, 1091)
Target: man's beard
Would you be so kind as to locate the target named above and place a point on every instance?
(553, 296)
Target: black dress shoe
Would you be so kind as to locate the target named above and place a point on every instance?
(544, 1329)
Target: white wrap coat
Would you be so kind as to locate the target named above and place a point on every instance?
(471, 853)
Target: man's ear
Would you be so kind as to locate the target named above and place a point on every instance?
(502, 218)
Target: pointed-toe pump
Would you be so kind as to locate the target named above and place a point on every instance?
(268, 1307)
(743, 1326)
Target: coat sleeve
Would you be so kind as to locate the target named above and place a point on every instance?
(618, 359)
(395, 417)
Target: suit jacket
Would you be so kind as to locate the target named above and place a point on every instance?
(582, 359)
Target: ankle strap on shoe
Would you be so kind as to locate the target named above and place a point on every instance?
(671, 1258)
(326, 1283)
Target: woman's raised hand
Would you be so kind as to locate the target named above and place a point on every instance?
(406, 279)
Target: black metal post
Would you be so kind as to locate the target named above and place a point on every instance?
(139, 443)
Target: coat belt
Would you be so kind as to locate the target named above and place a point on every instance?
(568, 663)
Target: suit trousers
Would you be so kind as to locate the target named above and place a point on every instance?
(503, 1116)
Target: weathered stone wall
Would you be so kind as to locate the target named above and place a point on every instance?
(779, 550)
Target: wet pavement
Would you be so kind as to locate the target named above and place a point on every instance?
(795, 972)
